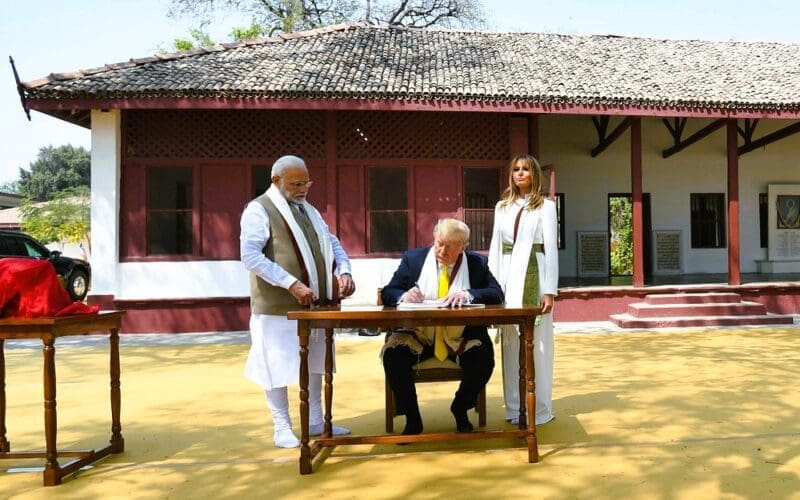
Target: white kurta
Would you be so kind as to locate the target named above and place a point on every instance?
(274, 359)
(537, 226)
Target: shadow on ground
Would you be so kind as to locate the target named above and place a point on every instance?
(669, 414)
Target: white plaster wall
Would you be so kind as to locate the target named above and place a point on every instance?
(161, 280)
(104, 210)
(72, 250)
(700, 168)
(369, 275)
(776, 163)
(566, 142)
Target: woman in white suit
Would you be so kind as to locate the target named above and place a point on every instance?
(523, 256)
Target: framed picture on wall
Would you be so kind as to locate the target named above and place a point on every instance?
(788, 211)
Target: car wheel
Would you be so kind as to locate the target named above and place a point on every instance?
(78, 285)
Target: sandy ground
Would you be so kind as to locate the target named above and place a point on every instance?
(670, 414)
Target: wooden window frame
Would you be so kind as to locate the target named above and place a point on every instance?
(718, 223)
(194, 212)
(467, 212)
(560, 200)
(369, 211)
(763, 219)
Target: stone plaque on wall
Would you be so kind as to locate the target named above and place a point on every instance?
(592, 253)
(784, 222)
(667, 253)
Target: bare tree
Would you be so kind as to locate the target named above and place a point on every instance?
(274, 16)
(428, 13)
(286, 16)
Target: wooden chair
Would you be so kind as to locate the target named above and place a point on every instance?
(431, 370)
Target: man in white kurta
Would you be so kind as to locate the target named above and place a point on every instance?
(282, 214)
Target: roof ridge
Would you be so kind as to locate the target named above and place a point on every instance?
(132, 62)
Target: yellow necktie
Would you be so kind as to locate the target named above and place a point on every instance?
(439, 347)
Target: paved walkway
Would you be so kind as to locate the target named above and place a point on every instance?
(674, 413)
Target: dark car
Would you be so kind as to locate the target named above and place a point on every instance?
(75, 274)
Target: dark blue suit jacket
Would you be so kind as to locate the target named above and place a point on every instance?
(485, 289)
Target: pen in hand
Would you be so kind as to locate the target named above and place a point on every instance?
(413, 295)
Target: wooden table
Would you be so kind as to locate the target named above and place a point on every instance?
(387, 317)
(48, 330)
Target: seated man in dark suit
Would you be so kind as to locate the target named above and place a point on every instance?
(448, 272)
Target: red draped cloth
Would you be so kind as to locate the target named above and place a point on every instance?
(30, 288)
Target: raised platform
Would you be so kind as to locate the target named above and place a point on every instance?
(696, 309)
(778, 266)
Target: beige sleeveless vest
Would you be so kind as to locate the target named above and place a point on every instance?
(266, 298)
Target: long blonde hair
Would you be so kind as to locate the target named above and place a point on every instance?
(511, 193)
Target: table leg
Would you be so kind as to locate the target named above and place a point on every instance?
(303, 331)
(4, 444)
(523, 394)
(328, 430)
(52, 471)
(117, 442)
(530, 379)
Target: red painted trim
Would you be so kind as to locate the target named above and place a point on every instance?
(734, 275)
(212, 314)
(550, 169)
(226, 314)
(411, 203)
(533, 137)
(517, 136)
(394, 162)
(331, 210)
(597, 303)
(368, 104)
(172, 258)
(197, 204)
(636, 198)
(106, 302)
(131, 304)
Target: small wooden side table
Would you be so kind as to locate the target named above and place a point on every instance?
(48, 330)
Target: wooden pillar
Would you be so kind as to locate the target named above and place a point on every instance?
(636, 195)
(734, 274)
(331, 213)
(517, 136)
(533, 137)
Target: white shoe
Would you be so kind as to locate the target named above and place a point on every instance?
(542, 421)
(515, 420)
(316, 430)
(285, 439)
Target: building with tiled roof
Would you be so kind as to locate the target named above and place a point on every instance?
(10, 218)
(529, 71)
(9, 200)
(403, 126)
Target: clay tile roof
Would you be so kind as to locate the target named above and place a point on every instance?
(358, 61)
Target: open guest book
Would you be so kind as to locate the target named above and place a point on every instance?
(434, 304)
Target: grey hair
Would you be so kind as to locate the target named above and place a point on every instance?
(284, 162)
(452, 230)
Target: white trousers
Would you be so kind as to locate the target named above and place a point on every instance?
(543, 355)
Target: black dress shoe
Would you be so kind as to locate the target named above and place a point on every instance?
(462, 421)
(413, 426)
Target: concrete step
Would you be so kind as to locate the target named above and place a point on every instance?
(628, 321)
(644, 310)
(692, 298)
